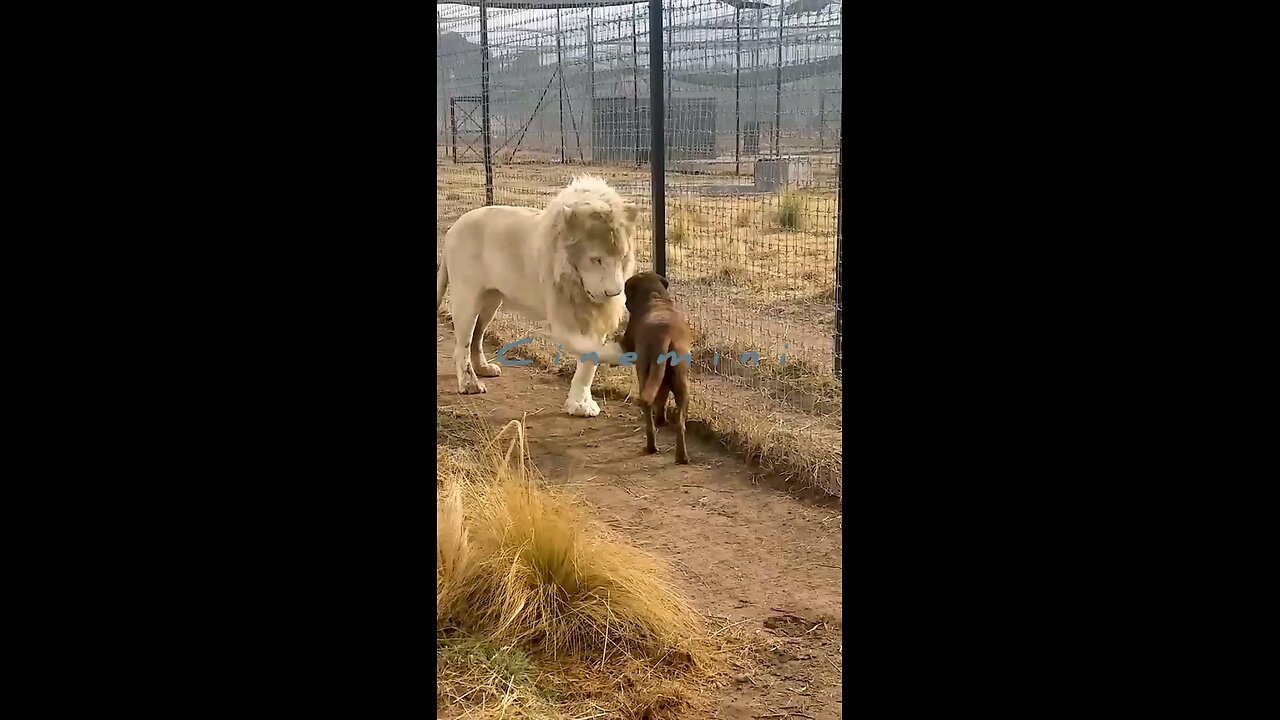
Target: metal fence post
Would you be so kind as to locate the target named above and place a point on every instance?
(560, 77)
(453, 129)
(635, 86)
(839, 328)
(777, 112)
(657, 149)
(484, 98)
(591, 81)
(737, 92)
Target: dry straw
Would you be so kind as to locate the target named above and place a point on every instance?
(541, 610)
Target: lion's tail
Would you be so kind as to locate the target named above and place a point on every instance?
(654, 381)
(442, 283)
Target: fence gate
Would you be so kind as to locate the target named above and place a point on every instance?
(465, 124)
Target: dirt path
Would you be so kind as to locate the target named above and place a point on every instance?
(746, 549)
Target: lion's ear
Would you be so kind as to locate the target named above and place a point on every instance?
(665, 284)
(630, 211)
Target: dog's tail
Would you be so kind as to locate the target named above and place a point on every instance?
(442, 283)
(650, 390)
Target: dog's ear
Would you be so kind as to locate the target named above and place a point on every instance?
(665, 284)
(630, 211)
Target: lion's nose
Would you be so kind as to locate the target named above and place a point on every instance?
(609, 294)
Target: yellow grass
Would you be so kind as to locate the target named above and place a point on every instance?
(787, 239)
(542, 611)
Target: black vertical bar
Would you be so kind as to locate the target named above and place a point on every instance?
(755, 86)
(591, 80)
(671, 44)
(658, 145)
(453, 129)
(484, 101)
(839, 329)
(737, 95)
(560, 74)
(635, 85)
(822, 120)
(777, 113)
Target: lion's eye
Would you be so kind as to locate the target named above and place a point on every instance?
(597, 261)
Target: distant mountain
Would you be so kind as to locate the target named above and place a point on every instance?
(800, 7)
(451, 43)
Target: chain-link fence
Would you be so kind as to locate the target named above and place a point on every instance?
(751, 143)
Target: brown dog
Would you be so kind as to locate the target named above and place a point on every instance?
(659, 335)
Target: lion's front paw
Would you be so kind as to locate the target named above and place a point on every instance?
(488, 370)
(582, 407)
(471, 386)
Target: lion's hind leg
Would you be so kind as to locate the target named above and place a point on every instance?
(466, 306)
(489, 304)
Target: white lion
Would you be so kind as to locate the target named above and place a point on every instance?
(566, 264)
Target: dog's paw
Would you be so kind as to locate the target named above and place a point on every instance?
(489, 370)
(585, 407)
(472, 386)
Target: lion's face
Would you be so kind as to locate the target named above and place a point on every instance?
(601, 269)
(602, 253)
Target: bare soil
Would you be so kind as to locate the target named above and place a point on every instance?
(745, 546)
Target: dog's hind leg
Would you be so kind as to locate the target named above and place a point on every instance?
(465, 310)
(489, 304)
(680, 388)
(650, 434)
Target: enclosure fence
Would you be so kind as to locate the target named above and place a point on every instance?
(741, 181)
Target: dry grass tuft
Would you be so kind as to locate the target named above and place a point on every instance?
(541, 609)
(790, 209)
(476, 679)
(682, 225)
(731, 248)
(547, 580)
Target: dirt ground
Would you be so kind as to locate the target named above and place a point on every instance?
(745, 547)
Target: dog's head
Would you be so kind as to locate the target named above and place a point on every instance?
(643, 287)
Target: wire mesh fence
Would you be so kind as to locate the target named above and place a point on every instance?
(751, 144)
